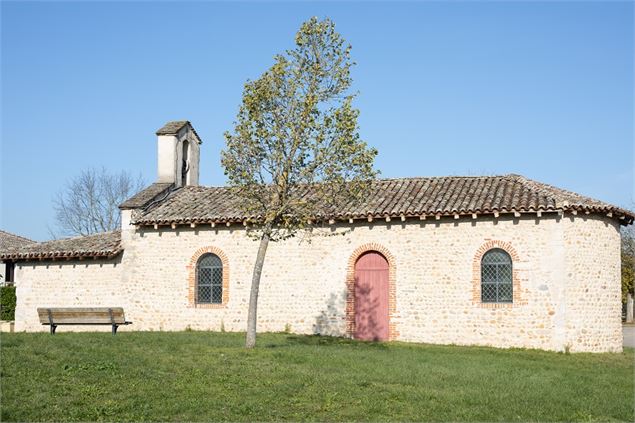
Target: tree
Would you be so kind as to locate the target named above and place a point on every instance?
(89, 202)
(295, 152)
(628, 270)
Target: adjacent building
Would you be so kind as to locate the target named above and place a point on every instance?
(10, 242)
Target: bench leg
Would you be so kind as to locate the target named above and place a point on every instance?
(114, 329)
(53, 327)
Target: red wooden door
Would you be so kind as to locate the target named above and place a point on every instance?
(371, 297)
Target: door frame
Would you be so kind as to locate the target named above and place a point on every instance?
(393, 333)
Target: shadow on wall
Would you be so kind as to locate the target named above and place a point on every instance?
(332, 320)
(367, 306)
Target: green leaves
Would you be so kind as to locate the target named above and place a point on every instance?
(628, 261)
(7, 303)
(295, 153)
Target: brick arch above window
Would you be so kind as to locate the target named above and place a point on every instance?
(191, 277)
(476, 274)
(350, 288)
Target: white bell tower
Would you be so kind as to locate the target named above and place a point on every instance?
(178, 154)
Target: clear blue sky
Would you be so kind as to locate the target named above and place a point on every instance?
(544, 89)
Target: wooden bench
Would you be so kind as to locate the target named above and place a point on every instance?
(82, 316)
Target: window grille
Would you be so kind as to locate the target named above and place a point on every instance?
(496, 277)
(209, 280)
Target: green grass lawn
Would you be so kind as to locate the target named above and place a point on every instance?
(197, 376)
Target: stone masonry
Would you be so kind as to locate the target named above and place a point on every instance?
(565, 275)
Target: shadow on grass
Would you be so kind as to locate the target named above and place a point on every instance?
(321, 340)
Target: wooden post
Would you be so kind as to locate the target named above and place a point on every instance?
(629, 308)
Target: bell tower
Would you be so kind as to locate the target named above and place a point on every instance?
(178, 147)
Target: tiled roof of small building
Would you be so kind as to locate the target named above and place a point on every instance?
(146, 196)
(173, 128)
(105, 244)
(407, 197)
(9, 241)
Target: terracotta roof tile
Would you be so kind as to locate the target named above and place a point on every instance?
(173, 128)
(9, 241)
(388, 197)
(396, 197)
(146, 196)
(105, 244)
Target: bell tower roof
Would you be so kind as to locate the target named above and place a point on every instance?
(175, 126)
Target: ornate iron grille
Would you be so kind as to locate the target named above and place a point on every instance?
(209, 280)
(496, 277)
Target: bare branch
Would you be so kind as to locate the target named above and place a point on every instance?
(89, 203)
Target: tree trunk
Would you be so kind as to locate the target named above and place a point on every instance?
(252, 317)
(629, 308)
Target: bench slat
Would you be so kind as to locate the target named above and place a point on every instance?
(82, 309)
(57, 320)
(82, 315)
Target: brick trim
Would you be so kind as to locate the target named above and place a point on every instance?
(350, 288)
(476, 275)
(191, 277)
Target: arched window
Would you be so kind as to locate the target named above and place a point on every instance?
(496, 277)
(209, 279)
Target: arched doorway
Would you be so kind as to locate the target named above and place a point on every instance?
(371, 297)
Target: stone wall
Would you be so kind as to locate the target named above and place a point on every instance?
(593, 288)
(73, 283)
(566, 281)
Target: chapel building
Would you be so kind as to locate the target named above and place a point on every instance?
(500, 261)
